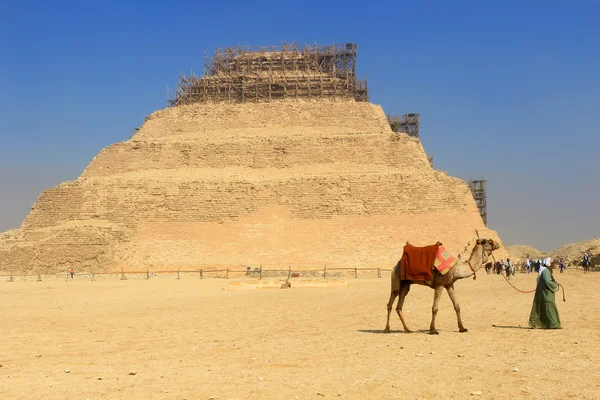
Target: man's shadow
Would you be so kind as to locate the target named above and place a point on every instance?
(511, 327)
(380, 331)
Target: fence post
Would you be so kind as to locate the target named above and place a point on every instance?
(325, 271)
(11, 278)
(201, 277)
(289, 271)
(177, 273)
(123, 277)
(355, 272)
(260, 272)
(39, 279)
(227, 273)
(378, 273)
(147, 273)
(93, 276)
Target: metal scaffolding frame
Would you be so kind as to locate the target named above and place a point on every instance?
(262, 74)
(407, 123)
(478, 188)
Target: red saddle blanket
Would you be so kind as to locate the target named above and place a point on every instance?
(417, 262)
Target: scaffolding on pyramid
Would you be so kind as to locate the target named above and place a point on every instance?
(479, 194)
(262, 74)
(407, 123)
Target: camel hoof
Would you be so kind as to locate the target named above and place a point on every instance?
(464, 330)
(408, 331)
(434, 333)
(386, 330)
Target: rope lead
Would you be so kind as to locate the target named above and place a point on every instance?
(531, 291)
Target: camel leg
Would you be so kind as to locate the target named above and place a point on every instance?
(452, 295)
(389, 310)
(436, 300)
(404, 289)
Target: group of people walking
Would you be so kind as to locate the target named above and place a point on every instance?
(534, 266)
(502, 266)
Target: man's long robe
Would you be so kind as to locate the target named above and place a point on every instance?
(544, 313)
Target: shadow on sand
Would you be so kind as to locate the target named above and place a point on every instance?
(393, 331)
(511, 327)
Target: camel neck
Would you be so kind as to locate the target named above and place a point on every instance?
(466, 269)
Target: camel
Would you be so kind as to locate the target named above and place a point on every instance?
(463, 269)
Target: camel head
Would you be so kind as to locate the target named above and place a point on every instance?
(488, 246)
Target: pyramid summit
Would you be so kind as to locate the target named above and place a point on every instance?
(263, 74)
(291, 180)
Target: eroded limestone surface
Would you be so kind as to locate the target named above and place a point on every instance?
(277, 184)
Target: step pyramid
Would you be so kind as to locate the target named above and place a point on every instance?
(288, 183)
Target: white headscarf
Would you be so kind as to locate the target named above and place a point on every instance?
(545, 264)
(548, 261)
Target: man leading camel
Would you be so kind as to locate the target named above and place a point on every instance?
(544, 313)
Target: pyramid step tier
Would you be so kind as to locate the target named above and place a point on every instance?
(394, 150)
(225, 194)
(319, 118)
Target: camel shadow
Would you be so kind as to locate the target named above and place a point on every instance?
(511, 327)
(381, 331)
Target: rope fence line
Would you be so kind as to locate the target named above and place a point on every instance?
(259, 272)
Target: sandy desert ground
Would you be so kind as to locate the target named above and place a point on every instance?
(190, 339)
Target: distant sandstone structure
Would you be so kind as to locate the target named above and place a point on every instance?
(302, 172)
(571, 253)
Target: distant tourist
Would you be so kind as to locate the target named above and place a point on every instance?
(562, 266)
(509, 268)
(500, 266)
(544, 313)
(528, 266)
(72, 272)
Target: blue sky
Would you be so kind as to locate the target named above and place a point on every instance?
(510, 89)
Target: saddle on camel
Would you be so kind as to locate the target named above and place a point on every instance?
(417, 263)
